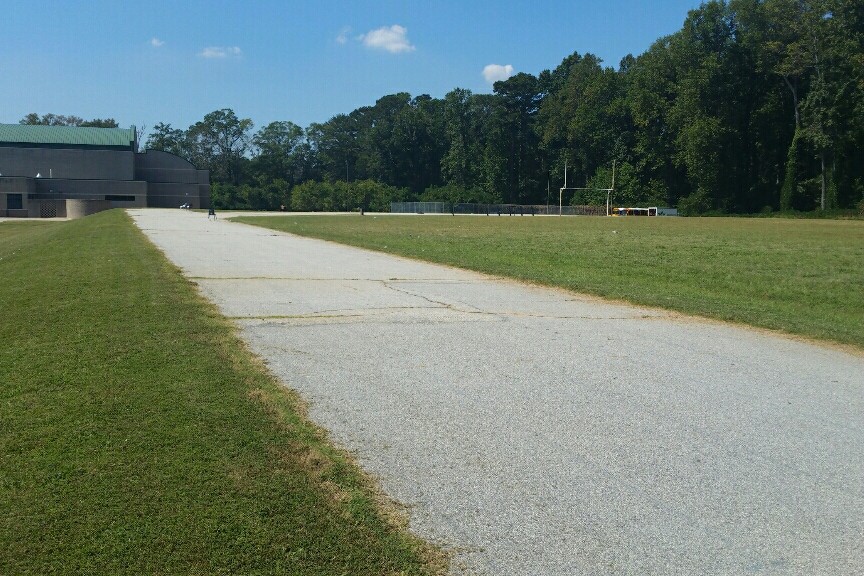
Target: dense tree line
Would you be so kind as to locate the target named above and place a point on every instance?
(34, 119)
(754, 105)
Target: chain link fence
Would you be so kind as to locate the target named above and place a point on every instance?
(494, 209)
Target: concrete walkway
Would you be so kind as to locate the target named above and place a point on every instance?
(535, 431)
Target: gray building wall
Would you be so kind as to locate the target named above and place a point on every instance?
(45, 197)
(167, 195)
(17, 185)
(92, 189)
(46, 208)
(101, 178)
(25, 187)
(68, 163)
(68, 208)
(172, 180)
(81, 208)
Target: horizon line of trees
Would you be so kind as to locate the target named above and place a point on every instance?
(34, 119)
(753, 106)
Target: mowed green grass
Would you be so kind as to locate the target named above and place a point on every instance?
(803, 277)
(138, 436)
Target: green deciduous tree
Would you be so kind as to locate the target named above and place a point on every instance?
(752, 105)
(168, 139)
(219, 143)
(59, 120)
(279, 152)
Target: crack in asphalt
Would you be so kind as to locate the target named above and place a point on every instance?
(449, 306)
(391, 284)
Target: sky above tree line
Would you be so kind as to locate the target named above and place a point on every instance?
(303, 61)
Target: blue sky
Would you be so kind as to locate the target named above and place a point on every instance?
(303, 61)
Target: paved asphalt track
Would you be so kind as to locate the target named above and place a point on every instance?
(535, 431)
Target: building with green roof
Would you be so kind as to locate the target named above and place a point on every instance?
(66, 136)
(68, 171)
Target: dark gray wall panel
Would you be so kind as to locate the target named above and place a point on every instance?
(160, 159)
(161, 195)
(67, 163)
(17, 185)
(167, 175)
(91, 189)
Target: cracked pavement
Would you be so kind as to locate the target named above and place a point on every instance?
(536, 431)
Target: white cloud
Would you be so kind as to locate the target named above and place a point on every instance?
(393, 39)
(156, 42)
(342, 38)
(220, 52)
(495, 72)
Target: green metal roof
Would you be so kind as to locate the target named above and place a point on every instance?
(70, 135)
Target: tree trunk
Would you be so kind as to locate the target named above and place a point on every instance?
(794, 101)
(822, 160)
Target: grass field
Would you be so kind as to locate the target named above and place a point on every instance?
(803, 277)
(138, 436)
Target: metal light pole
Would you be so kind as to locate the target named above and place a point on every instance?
(547, 194)
(561, 191)
(609, 192)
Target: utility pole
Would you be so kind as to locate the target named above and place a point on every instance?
(547, 194)
(561, 191)
(611, 189)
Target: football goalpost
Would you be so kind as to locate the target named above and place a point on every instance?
(608, 191)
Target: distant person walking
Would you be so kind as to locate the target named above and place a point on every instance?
(212, 213)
